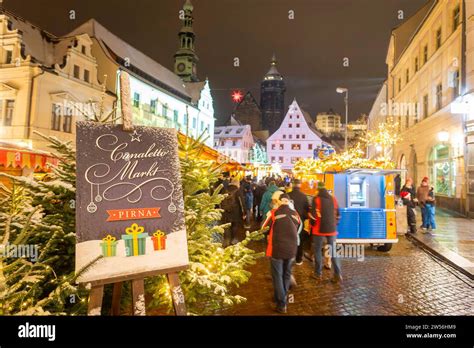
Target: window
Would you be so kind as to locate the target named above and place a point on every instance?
(273, 146)
(456, 16)
(416, 64)
(9, 113)
(294, 159)
(165, 113)
(425, 106)
(186, 119)
(194, 122)
(291, 116)
(297, 116)
(456, 84)
(438, 38)
(284, 136)
(86, 75)
(425, 54)
(282, 147)
(407, 76)
(83, 49)
(9, 57)
(280, 159)
(56, 117)
(303, 136)
(136, 99)
(153, 106)
(202, 126)
(439, 96)
(297, 136)
(290, 125)
(442, 169)
(310, 146)
(234, 143)
(175, 116)
(76, 72)
(222, 142)
(290, 136)
(297, 125)
(295, 146)
(415, 116)
(273, 159)
(399, 84)
(239, 130)
(67, 121)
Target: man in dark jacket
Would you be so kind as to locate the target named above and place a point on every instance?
(325, 214)
(301, 204)
(284, 223)
(408, 196)
(233, 213)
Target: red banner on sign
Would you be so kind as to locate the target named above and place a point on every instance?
(133, 214)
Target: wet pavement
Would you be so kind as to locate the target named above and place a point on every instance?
(404, 281)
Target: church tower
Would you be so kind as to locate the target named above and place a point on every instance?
(185, 59)
(272, 98)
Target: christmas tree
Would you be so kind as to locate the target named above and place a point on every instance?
(214, 271)
(38, 218)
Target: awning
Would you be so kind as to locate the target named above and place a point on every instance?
(16, 158)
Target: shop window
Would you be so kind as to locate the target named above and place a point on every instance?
(442, 170)
(56, 117)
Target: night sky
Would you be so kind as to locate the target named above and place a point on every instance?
(310, 48)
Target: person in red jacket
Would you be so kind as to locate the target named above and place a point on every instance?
(284, 224)
(324, 215)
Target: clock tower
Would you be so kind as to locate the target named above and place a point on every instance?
(185, 59)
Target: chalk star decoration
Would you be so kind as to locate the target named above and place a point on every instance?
(135, 136)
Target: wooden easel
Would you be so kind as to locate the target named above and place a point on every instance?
(138, 280)
(138, 294)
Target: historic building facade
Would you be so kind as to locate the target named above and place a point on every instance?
(49, 82)
(377, 116)
(295, 139)
(272, 98)
(328, 122)
(427, 74)
(234, 141)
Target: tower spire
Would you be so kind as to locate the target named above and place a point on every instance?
(185, 59)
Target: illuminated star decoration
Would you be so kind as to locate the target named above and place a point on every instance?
(237, 96)
(135, 136)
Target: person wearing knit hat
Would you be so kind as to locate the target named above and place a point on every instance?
(408, 196)
(425, 198)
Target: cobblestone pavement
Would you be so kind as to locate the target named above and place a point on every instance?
(404, 281)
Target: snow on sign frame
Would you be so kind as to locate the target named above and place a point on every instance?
(130, 206)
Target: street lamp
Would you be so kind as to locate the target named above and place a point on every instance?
(341, 90)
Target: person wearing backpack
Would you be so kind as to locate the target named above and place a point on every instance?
(284, 224)
(233, 213)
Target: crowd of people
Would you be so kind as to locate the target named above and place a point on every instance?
(293, 219)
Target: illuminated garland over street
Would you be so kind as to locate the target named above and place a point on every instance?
(353, 158)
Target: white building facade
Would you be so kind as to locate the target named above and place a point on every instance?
(235, 142)
(295, 139)
(328, 122)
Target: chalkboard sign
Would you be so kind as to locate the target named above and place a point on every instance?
(130, 205)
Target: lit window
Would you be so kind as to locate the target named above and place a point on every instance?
(136, 99)
(9, 113)
(280, 159)
(67, 121)
(310, 146)
(296, 147)
(282, 146)
(273, 146)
